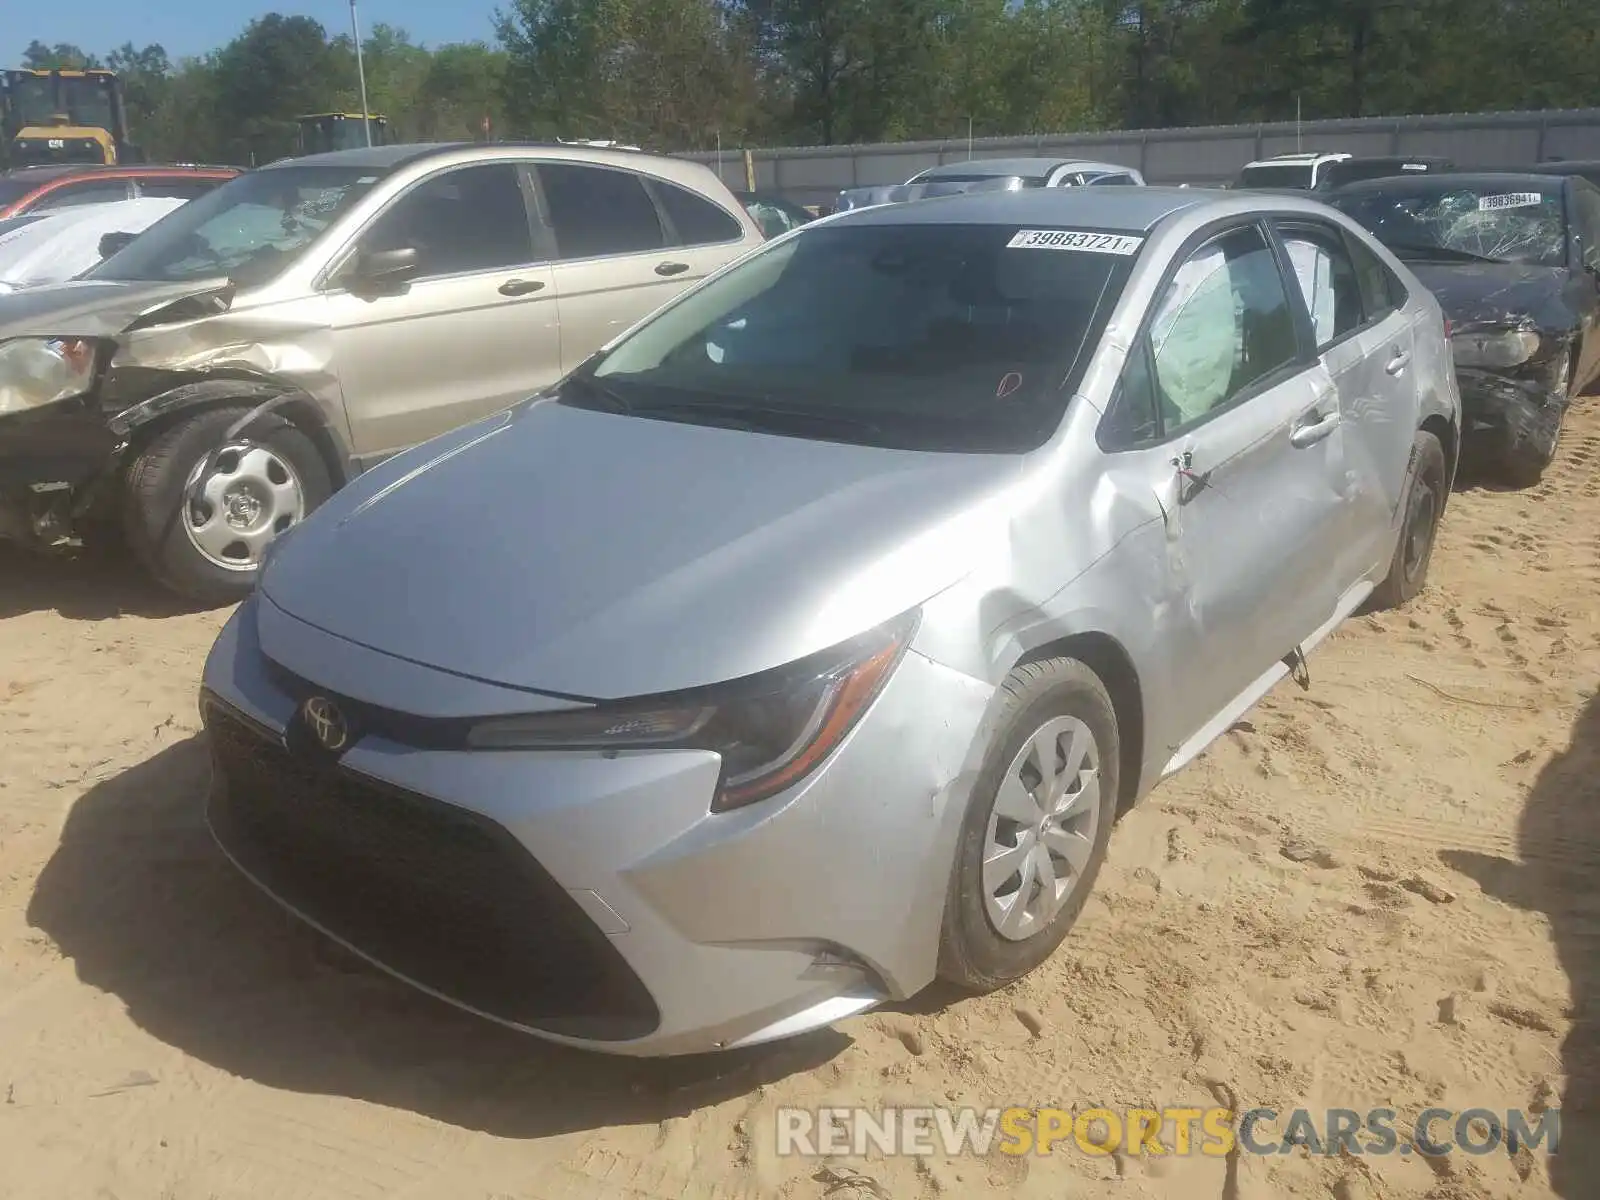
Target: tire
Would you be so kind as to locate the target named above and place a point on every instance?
(977, 951)
(277, 483)
(1419, 529)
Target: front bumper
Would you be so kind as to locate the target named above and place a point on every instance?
(588, 898)
(66, 443)
(1508, 417)
(47, 456)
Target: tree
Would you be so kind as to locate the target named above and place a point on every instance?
(277, 69)
(63, 55)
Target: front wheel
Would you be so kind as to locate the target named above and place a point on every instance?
(203, 537)
(1036, 828)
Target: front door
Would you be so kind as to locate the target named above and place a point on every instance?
(1250, 467)
(474, 331)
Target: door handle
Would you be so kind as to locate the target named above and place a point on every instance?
(1398, 363)
(1313, 429)
(672, 268)
(521, 287)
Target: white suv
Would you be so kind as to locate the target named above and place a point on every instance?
(1286, 171)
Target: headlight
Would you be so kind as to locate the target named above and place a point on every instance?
(40, 371)
(771, 729)
(1494, 347)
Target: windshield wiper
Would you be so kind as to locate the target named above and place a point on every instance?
(1439, 253)
(610, 399)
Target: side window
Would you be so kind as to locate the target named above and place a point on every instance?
(597, 211)
(772, 219)
(73, 194)
(472, 219)
(176, 189)
(1221, 325)
(1132, 419)
(1589, 221)
(698, 221)
(1381, 291)
(1327, 280)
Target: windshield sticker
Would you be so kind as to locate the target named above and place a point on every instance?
(1070, 239)
(1413, 166)
(1509, 200)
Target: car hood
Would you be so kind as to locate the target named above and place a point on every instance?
(598, 556)
(90, 307)
(1499, 293)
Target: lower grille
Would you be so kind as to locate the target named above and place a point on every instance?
(438, 894)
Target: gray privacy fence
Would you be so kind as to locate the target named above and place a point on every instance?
(1209, 155)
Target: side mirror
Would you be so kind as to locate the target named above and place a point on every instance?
(110, 243)
(383, 270)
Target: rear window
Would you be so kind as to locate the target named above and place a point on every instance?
(965, 337)
(1276, 177)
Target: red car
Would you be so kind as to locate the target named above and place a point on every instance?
(39, 189)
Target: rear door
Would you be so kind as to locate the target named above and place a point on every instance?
(1244, 460)
(625, 244)
(1586, 214)
(1365, 343)
(473, 332)
(1379, 439)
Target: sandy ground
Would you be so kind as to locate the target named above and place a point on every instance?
(1379, 892)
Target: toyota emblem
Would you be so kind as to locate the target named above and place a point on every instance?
(326, 723)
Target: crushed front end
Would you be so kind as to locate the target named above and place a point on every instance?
(1514, 393)
(54, 439)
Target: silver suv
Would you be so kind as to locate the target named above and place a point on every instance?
(217, 377)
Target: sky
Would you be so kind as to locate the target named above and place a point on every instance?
(187, 27)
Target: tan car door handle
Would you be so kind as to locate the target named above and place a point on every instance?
(521, 287)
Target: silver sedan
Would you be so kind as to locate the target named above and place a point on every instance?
(804, 644)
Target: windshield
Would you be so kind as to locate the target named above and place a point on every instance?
(1336, 174)
(1297, 176)
(33, 99)
(918, 336)
(88, 100)
(1512, 221)
(249, 229)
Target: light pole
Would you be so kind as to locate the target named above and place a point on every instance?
(361, 74)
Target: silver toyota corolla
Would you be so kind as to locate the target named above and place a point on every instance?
(803, 644)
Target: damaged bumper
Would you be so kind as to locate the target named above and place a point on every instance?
(48, 457)
(1508, 417)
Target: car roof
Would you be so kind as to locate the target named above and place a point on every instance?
(1013, 166)
(1131, 210)
(1456, 179)
(394, 158)
(1307, 159)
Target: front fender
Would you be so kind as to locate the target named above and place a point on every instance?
(126, 420)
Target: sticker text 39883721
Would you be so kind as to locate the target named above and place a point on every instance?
(1075, 239)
